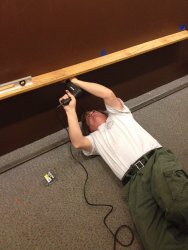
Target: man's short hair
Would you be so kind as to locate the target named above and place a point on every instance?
(84, 126)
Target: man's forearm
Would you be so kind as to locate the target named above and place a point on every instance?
(93, 88)
(75, 133)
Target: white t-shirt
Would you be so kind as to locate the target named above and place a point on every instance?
(120, 141)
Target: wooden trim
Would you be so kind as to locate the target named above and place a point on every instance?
(84, 67)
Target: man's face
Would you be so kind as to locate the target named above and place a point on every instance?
(94, 119)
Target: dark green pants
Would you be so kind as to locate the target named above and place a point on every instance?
(158, 201)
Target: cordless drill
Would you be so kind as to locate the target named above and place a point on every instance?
(75, 91)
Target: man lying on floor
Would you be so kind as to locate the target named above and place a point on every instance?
(155, 184)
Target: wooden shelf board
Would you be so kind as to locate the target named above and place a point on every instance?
(93, 64)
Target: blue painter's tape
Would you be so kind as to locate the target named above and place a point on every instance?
(103, 52)
(182, 27)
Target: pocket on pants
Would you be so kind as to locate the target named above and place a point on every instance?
(177, 182)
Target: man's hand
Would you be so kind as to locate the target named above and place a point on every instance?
(72, 103)
(74, 80)
(75, 133)
(101, 91)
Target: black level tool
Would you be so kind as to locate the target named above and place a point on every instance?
(75, 91)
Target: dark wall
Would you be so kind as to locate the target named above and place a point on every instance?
(44, 35)
(40, 37)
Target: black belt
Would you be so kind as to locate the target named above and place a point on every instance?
(135, 167)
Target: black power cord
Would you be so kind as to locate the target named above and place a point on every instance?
(105, 205)
(102, 205)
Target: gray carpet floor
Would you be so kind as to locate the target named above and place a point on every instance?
(56, 217)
